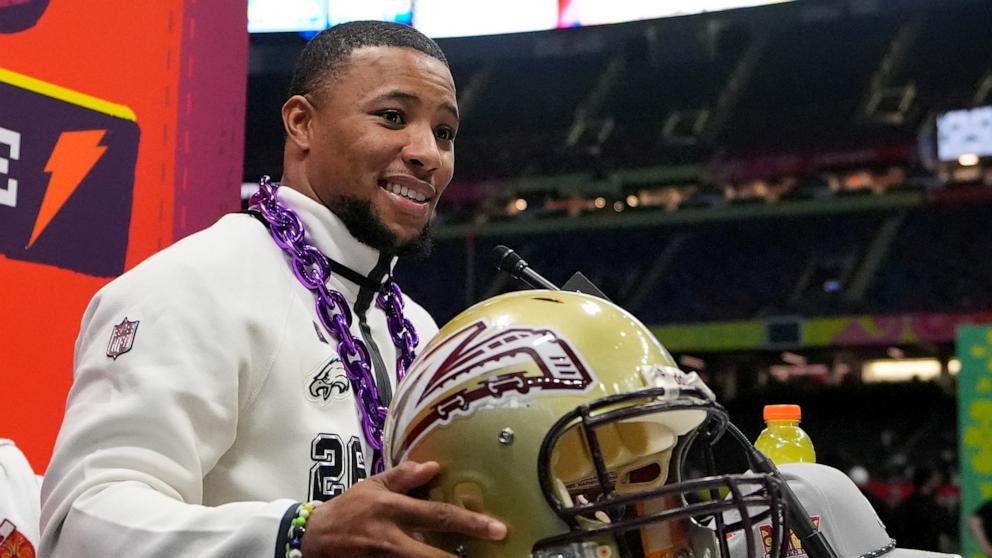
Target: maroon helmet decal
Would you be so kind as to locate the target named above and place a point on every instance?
(486, 364)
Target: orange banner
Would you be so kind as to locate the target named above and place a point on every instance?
(121, 130)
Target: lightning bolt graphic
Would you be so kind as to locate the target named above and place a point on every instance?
(73, 157)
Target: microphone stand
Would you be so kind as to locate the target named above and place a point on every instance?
(511, 263)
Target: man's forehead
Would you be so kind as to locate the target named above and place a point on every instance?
(405, 59)
(397, 72)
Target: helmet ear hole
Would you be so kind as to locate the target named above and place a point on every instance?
(468, 495)
(647, 474)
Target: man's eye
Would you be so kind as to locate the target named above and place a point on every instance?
(445, 133)
(392, 116)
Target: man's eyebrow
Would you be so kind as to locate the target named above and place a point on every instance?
(399, 94)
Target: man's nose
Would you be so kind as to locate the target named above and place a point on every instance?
(421, 150)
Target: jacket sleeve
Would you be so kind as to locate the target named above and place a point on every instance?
(150, 413)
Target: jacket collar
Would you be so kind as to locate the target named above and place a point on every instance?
(328, 232)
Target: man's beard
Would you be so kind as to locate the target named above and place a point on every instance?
(363, 223)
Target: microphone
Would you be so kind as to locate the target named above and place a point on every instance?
(510, 262)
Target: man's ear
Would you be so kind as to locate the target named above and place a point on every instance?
(297, 116)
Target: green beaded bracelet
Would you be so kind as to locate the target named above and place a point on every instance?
(297, 528)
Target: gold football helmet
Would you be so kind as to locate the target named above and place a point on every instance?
(561, 414)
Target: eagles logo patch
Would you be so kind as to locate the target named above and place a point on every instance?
(330, 381)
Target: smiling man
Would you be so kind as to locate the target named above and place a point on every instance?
(373, 140)
(246, 369)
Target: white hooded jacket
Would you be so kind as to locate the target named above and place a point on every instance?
(208, 400)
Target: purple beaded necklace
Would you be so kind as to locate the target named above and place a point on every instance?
(312, 269)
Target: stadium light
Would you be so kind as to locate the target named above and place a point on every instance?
(968, 159)
(885, 370)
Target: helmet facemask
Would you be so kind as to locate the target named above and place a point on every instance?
(611, 470)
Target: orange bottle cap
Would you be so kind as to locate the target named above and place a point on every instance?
(782, 412)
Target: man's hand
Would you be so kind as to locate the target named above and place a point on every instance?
(376, 518)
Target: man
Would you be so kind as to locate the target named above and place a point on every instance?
(211, 397)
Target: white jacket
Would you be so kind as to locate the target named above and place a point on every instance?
(216, 402)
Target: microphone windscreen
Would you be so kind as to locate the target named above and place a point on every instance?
(506, 259)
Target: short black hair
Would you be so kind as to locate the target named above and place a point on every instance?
(323, 57)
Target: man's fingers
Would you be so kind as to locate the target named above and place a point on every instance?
(417, 548)
(439, 517)
(421, 515)
(408, 475)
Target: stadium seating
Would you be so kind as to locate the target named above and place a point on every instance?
(733, 270)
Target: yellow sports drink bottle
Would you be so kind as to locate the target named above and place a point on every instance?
(782, 440)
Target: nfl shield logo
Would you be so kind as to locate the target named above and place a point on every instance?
(122, 338)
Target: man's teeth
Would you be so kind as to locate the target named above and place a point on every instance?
(405, 192)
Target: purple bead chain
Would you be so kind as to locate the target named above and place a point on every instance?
(313, 271)
(390, 300)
